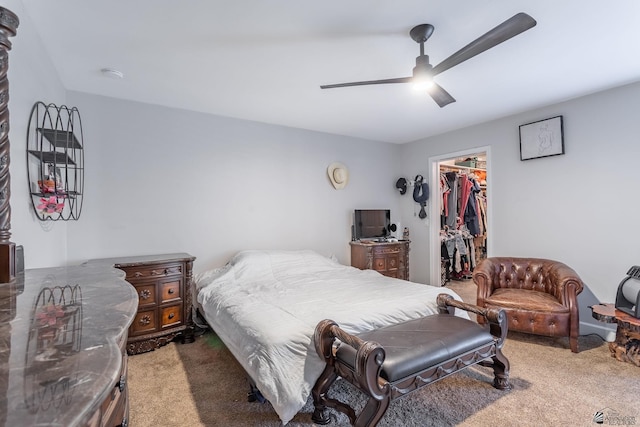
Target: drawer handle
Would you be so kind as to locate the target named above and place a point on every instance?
(171, 291)
(145, 320)
(172, 315)
(137, 274)
(156, 273)
(122, 384)
(145, 294)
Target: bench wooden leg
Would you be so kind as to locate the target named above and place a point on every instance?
(319, 393)
(321, 401)
(501, 371)
(372, 412)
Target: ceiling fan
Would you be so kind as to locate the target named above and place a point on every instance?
(424, 72)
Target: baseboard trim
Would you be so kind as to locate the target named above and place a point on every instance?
(607, 332)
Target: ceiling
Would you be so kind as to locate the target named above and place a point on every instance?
(265, 60)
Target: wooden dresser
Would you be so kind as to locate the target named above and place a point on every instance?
(63, 334)
(163, 284)
(388, 258)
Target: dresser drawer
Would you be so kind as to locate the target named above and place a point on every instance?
(145, 321)
(170, 291)
(393, 262)
(146, 294)
(171, 316)
(153, 271)
(120, 414)
(114, 408)
(390, 262)
(387, 250)
(380, 264)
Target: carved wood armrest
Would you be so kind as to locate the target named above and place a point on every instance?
(326, 332)
(496, 317)
(369, 356)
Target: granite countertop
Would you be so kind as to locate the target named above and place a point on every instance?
(60, 330)
(132, 261)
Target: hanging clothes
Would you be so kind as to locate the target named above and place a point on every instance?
(445, 190)
(471, 219)
(452, 202)
(465, 190)
(457, 254)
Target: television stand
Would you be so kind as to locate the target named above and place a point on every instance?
(388, 258)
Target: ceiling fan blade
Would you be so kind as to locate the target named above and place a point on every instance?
(513, 26)
(370, 82)
(441, 96)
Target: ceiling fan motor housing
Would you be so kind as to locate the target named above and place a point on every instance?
(422, 68)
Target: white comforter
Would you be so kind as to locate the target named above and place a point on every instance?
(264, 305)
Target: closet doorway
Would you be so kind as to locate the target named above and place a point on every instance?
(474, 165)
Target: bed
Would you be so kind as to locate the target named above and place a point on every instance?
(265, 305)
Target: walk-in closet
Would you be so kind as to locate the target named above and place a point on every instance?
(463, 216)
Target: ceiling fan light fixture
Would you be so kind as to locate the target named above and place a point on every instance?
(422, 75)
(421, 84)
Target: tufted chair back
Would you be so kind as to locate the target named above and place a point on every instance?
(539, 295)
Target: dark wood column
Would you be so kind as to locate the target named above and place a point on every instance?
(8, 25)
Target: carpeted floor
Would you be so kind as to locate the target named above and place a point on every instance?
(200, 384)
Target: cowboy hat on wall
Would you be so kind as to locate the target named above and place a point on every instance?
(338, 174)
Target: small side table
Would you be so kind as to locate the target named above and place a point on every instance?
(626, 347)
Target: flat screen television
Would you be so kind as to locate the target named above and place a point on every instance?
(371, 223)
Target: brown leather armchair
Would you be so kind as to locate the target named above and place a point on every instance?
(539, 296)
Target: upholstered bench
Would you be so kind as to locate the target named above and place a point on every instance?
(393, 361)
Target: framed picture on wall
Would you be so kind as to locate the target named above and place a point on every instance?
(543, 138)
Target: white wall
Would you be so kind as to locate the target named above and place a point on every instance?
(163, 180)
(580, 208)
(31, 78)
